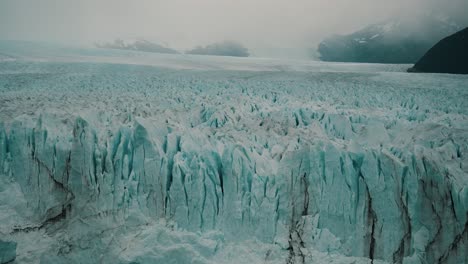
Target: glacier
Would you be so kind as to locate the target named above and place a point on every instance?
(118, 157)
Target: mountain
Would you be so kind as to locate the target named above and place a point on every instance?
(402, 40)
(226, 48)
(449, 55)
(139, 45)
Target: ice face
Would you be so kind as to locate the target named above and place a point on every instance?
(136, 163)
(7, 251)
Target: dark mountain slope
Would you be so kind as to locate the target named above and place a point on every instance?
(450, 55)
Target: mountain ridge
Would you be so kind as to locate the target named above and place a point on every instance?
(401, 40)
(138, 45)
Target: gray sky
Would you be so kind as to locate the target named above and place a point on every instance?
(262, 25)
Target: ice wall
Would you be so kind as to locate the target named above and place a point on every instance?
(270, 163)
(7, 251)
(391, 204)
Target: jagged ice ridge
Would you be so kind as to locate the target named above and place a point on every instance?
(122, 163)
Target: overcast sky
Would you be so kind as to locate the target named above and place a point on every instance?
(182, 24)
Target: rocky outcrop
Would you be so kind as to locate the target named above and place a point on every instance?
(226, 48)
(137, 45)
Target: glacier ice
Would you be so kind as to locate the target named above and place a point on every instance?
(7, 251)
(133, 163)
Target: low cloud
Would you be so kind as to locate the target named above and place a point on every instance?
(262, 25)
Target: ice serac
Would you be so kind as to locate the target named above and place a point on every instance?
(382, 203)
(119, 163)
(7, 251)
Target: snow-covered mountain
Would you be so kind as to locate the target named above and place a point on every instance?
(402, 40)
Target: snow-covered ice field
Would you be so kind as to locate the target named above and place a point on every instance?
(113, 156)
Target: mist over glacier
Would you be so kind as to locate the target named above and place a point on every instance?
(267, 28)
(127, 157)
